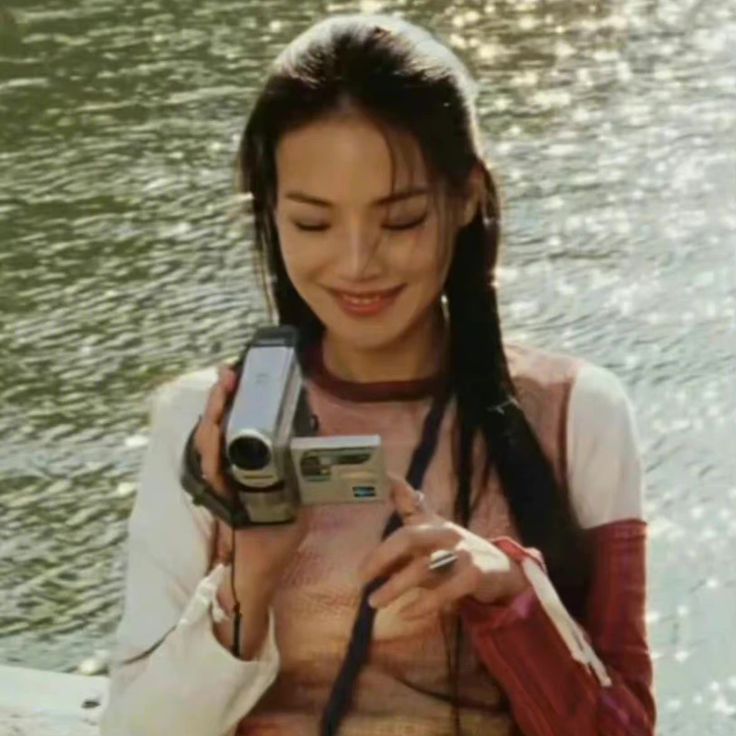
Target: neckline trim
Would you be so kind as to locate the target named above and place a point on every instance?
(371, 391)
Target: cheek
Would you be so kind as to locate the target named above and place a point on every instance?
(303, 263)
(424, 266)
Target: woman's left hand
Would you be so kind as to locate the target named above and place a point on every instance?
(481, 570)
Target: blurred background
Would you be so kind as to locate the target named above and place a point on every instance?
(612, 128)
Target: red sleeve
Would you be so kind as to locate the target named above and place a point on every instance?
(551, 693)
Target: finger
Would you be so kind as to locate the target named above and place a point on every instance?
(413, 575)
(409, 503)
(219, 395)
(446, 593)
(406, 542)
(214, 408)
(223, 552)
(226, 376)
(209, 446)
(418, 573)
(216, 400)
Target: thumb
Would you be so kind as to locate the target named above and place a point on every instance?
(409, 503)
(222, 543)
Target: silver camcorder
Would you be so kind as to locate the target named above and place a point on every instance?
(272, 455)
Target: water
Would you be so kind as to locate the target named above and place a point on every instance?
(612, 127)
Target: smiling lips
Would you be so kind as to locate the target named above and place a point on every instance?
(365, 304)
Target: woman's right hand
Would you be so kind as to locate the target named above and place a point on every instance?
(261, 553)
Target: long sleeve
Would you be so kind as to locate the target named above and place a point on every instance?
(169, 673)
(595, 677)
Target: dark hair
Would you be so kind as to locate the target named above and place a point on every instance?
(408, 82)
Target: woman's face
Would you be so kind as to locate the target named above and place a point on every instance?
(371, 268)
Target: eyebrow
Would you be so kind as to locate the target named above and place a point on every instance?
(395, 197)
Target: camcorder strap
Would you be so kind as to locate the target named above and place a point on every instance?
(340, 697)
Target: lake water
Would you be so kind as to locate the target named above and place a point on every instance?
(612, 128)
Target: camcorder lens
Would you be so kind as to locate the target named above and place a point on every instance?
(249, 453)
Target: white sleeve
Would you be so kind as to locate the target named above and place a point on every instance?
(182, 680)
(604, 461)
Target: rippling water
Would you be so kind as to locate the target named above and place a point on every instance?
(612, 126)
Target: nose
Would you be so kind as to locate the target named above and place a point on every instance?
(360, 256)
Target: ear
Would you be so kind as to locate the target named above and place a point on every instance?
(474, 198)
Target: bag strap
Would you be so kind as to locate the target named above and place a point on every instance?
(340, 697)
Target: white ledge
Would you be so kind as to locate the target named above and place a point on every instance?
(38, 703)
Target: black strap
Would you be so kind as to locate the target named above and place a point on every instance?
(357, 653)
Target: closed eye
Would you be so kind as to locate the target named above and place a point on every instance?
(407, 225)
(397, 226)
(309, 228)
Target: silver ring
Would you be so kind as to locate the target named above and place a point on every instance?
(442, 560)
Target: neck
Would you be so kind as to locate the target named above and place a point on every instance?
(419, 354)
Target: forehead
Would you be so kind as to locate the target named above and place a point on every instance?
(347, 159)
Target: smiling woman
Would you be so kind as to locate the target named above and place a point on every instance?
(501, 589)
(348, 244)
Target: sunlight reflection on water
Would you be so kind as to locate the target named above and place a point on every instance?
(611, 128)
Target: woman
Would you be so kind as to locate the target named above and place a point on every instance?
(505, 597)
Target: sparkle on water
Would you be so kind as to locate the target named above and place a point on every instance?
(611, 128)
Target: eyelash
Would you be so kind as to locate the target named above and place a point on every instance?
(403, 226)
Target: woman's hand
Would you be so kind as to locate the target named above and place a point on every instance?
(262, 553)
(481, 570)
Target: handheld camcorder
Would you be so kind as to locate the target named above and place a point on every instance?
(272, 456)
